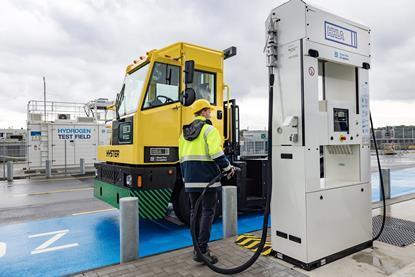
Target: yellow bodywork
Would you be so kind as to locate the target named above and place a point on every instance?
(161, 126)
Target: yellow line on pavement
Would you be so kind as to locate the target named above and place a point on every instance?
(97, 211)
(51, 192)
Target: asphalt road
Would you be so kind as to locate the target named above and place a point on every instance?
(28, 199)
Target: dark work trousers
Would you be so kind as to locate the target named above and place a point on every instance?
(206, 216)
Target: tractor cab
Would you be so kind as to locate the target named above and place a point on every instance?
(149, 113)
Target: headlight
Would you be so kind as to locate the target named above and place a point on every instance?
(129, 180)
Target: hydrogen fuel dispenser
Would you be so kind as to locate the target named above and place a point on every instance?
(321, 194)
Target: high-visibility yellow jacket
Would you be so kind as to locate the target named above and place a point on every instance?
(201, 154)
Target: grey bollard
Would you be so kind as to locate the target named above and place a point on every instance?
(386, 174)
(10, 171)
(48, 169)
(229, 211)
(82, 166)
(128, 229)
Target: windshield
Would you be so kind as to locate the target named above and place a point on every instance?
(163, 86)
(130, 94)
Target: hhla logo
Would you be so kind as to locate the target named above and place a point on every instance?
(340, 34)
(335, 33)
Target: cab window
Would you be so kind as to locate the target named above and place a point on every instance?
(163, 87)
(204, 84)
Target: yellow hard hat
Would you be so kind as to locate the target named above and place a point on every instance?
(200, 104)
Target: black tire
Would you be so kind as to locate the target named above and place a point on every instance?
(181, 205)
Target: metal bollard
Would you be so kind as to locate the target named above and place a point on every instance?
(82, 166)
(48, 169)
(386, 174)
(128, 229)
(229, 211)
(9, 171)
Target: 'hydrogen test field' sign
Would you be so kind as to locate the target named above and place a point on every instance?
(74, 133)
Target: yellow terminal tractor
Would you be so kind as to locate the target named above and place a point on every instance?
(151, 109)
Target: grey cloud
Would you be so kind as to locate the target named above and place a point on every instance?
(83, 46)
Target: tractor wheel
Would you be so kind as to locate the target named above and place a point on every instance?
(181, 205)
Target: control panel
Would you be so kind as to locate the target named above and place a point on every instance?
(341, 120)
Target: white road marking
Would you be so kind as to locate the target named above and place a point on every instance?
(48, 234)
(3, 249)
(97, 211)
(50, 192)
(61, 179)
(44, 247)
(53, 248)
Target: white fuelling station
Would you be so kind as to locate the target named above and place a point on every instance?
(321, 193)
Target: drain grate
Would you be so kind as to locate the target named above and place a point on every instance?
(397, 231)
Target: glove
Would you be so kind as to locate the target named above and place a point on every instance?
(230, 172)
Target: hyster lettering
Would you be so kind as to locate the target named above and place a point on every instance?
(113, 153)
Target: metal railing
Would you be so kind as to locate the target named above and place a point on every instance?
(41, 111)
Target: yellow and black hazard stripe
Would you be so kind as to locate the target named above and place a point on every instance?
(251, 242)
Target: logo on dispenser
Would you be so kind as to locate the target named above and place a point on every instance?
(340, 34)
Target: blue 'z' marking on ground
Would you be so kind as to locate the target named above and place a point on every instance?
(98, 239)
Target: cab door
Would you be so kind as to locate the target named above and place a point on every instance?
(160, 117)
(206, 86)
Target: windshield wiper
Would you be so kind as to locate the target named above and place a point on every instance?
(118, 101)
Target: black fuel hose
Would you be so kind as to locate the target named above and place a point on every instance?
(261, 245)
(248, 263)
(382, 188)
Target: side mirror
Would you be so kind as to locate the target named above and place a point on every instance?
(188, 97)
(189, 69)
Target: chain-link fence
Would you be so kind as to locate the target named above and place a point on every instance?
(15, 151)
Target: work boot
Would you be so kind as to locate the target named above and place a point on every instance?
(196, 257)
(210, 257)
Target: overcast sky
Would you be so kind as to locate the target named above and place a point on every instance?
(82, 47)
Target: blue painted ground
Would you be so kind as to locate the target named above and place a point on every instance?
(402, 182)
(97, 236)
(98, 239)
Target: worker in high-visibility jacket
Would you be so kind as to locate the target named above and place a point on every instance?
(202, 159)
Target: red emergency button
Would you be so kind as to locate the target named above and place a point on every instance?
(342, 138)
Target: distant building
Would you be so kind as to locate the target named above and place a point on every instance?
(254, 143)
(401, 136)
(64, 133)
(10, 134)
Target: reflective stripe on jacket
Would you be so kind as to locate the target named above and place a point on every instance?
(201, 157)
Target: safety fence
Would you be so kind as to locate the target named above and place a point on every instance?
(13, 150)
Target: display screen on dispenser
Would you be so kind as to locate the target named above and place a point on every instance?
(341, 120)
